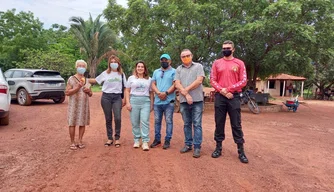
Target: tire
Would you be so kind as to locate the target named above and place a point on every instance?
(23, 97)
(5, 120)
(59, 100)
(253, 107)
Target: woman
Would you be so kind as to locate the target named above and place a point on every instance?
(139, 101)
(113, 80)
(78, 90)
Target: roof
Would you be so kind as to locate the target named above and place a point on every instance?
(283, 76)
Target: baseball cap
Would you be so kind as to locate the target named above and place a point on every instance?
(165, 55)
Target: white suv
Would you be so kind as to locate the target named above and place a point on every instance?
(4, 100)
(27, 85)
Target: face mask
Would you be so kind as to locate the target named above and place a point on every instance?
(114, 66)
(227, 52)
(186, 60)
(81, 70)
(164, 65)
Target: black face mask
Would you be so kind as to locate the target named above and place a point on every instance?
(227, 52)
(164, 65)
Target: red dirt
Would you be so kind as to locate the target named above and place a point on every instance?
(287, 152)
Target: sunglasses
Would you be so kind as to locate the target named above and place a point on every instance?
(227, 48)
(185, 56)
(162, 74)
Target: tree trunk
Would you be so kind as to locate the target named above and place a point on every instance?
(92, 69)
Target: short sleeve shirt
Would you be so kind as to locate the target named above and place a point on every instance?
(186, 76)
(164, 80)
(139, 86)
(112, 82)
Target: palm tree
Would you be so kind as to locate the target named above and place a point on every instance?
(95, 39)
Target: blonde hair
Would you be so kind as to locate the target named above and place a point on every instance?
(80, 61)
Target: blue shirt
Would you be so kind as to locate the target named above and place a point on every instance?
(164, 80)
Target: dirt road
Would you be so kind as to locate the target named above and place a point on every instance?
(287, 152)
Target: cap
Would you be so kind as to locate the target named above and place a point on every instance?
(165, 55)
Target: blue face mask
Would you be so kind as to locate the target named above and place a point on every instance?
(114, 66)
(81, 70)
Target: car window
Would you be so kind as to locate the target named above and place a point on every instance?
(8, 73)
(47, 74)
(17, 74)
(27, 74)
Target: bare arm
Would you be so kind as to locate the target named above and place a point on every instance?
(72, 90)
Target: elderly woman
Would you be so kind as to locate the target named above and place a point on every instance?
(78, 90)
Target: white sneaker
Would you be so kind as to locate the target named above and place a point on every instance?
(136, 145)
(145, 147)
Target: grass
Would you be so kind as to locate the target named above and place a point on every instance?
(96, 88)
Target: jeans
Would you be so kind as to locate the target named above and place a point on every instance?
(159, 111)
(140, 117)
(192, 117)
(110, 103)
(232, 107)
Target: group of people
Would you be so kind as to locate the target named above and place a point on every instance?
(142, 94)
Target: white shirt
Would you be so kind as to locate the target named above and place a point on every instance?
(139, 86)
(112, 82)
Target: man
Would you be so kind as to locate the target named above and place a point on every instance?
(163, 86)
(188, 80)
(228, 77)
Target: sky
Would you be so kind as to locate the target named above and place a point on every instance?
(58, 11)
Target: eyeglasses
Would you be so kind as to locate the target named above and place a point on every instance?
(162, 74)
(185, 56)
(227, 48)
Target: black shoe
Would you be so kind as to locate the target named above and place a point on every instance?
(217, 153)
(155, 143)
(243, 158)
(185, 149)
(197, 153)
(166, 144)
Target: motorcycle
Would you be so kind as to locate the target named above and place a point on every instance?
(245, 98)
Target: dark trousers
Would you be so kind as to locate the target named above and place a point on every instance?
(232, 107)
(110, 103)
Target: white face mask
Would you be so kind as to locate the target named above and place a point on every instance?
(114, 66)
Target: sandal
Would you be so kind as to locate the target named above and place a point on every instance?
(109, 143)
(117, 143)
(73, 147)
(81, 146)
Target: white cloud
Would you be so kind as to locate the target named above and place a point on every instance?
(58, 11)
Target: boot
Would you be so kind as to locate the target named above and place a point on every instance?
(241, 152)
(218, 151)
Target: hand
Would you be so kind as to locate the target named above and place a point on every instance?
(223, 91)
(128, 107)
(184, 92)
(189, 99)
(123, 102)
(78, 86)
(229, 95)
(152, 108)
(162, 96)
(86, 90)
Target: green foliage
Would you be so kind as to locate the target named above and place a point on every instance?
(52, 60)
(96, 40)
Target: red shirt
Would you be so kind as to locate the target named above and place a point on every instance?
(230, 74)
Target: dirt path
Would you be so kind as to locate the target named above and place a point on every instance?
(287, 152)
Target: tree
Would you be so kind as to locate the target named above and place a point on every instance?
(96, 40)
(271, 36)
(18, 31)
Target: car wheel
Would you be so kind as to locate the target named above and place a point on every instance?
(59, 100)
(5, 120)
(23, 97)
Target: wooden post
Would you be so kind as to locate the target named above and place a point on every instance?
(283, 88)
(302, 90)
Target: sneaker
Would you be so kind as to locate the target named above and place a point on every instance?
(166, 144)
(136, 145)
(197, 153)
(217, 153)
(185, 149)
(145, 147)
(155, 143)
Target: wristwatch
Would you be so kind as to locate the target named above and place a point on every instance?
(166, 92)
